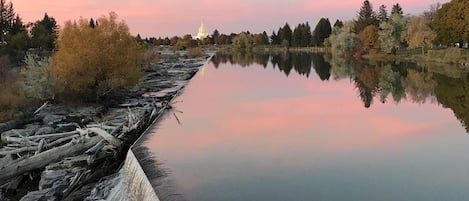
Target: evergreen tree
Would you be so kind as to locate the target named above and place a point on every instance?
(322, 31)
(92, 24)
(366, 16)
(285, 35)
(382, 14)
(7, 16)
(215, 36)
(44, 33)
(274, 39)
(338, 23)
(397, 9)
(265, 38)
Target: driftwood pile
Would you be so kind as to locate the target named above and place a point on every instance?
(69, 156)
(62, 152)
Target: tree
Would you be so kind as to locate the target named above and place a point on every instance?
(285, 34)
(369, 37)
(92, 23)
(338, 24)
(7, 16)
(397, 9)
(451, 22)
(265, 38)
(322, 31)
(44, 33)
(82, 67)
(215, 36)
(301, 35)
(431, 12)
(382, 14)
(344, 40)
(418, 33)
(390, 33)
(243, 42)
(275, 39)
(366, 16)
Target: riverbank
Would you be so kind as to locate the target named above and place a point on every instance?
(61, 152)
(457, 57)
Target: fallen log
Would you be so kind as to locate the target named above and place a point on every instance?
(26, 164)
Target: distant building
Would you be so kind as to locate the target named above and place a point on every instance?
(202, 32)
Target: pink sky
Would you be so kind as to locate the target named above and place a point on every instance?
(179, 17)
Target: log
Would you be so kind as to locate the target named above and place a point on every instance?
(43, 159)
(106, 136)
(18, 150)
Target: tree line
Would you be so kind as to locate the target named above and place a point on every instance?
(440, 26)
(18, 37)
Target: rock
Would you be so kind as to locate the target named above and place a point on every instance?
(45, 130)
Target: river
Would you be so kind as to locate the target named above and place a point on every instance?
(308, 127)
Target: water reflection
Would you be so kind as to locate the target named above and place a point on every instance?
(396, 81)
(250, 132)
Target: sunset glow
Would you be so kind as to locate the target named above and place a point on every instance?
(179, 17)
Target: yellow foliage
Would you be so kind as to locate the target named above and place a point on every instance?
(93, 61)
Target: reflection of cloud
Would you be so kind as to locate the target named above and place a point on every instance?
(327, 115)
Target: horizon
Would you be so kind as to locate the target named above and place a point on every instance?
(167, 18)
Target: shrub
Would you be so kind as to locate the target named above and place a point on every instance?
(36, 77)
(90, 62)
(195, 52)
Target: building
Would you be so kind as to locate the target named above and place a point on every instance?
(202, 32)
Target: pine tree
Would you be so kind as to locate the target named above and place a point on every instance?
(397, 9)
(382, 14)
(338, 23)
(92, 24)
(285, 35)
(7, 16)
(366, 16)
(322, 31)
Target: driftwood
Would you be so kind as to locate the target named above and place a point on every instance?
(40, 160)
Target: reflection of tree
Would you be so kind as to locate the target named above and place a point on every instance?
(342, 68)
(322, 68)
(391, 83)
(454, 93)
(367, 82)
(283, 61)
(243, 58)
(302, 63)
(420, 85)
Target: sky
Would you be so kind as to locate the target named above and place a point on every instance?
(160, 18)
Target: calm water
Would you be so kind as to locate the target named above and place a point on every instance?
(295, 127)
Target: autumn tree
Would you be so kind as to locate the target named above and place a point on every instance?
(322, 31)
(451, 22)
(243, 42)
(418, 34)
(369, 37)
(366, 16)
(82, 67)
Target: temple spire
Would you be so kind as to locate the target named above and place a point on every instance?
(202, 31)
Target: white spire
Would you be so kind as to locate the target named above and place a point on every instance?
(202, 31)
